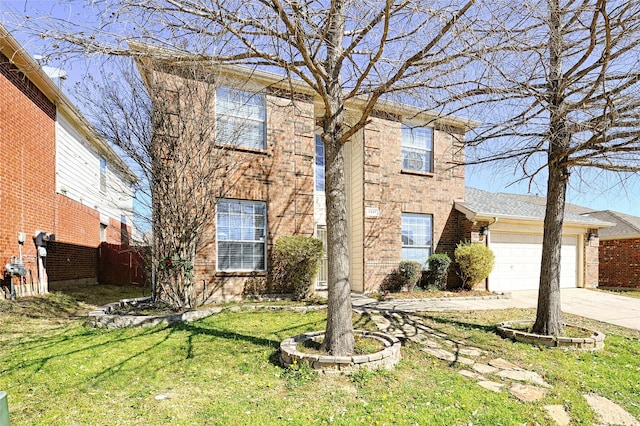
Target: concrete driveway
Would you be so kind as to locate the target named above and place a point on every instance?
(598, 305)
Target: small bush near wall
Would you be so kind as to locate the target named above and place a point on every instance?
(254, 286)
(438, 270)
(475, 263)
(404, 278)
(295, 264)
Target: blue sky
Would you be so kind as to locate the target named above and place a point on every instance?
(596, 189)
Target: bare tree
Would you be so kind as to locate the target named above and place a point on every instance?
(346, 52)
(351, 54)
(566, 93)
(164, 125)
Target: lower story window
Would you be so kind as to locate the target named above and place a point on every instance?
(417, 237)
(240, 235)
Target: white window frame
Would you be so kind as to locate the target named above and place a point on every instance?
(236, 118)
(222, 234)
(424, 239)
(417, 150)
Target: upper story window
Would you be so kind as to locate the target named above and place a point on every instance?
(417, 149)
(319, 164)
(241, 235)
(416, 237)
(103, 174)
(240, 118)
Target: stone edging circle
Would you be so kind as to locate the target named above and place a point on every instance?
(104, 317)
(386, 358)
(594, 342)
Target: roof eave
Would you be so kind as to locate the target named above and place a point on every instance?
(489, 216)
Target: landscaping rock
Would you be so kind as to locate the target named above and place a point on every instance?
(472, 375)
(425, 341)
(447, 356)
(609, 412)
(484, 368)
(558, 414)
(471, 351)
(492, 386)
(527, 393)
(381, 322)
(503, 364)
(524, 376)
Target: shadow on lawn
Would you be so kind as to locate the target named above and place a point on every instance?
(200, 329)
(420, 326)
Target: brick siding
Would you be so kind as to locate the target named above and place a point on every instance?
(27, 169)
(620, 263)
(395, 192)
(282, 176)
(71, 262)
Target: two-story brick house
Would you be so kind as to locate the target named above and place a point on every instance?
(403, 174)
(57, 179)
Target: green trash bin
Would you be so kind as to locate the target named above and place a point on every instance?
(4, 409)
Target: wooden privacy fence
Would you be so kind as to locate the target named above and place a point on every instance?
(121, 264)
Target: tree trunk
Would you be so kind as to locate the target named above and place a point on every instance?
(548, 316)
(338, 339)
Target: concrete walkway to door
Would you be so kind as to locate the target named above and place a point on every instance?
(598, 305)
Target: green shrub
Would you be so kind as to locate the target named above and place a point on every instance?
(475, 262)
(438, 270)
(409, 272)
(403, 278)
(295, 264)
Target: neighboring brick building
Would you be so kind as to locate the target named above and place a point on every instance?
(619, 250)
(56, 177)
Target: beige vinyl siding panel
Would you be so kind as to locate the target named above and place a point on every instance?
(78, 174)
(355, 189)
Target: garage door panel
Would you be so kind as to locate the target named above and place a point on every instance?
(518, 258)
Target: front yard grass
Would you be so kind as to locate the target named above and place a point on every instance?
(223, 370)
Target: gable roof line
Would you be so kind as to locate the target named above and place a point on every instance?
(484, 205)
(18, 56)
(623, 219)
(145, 53)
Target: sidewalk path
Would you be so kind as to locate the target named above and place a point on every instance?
(601, 306)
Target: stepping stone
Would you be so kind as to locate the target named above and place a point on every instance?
(492, 386)
(381, 322)
(503, 364)
(527, 393)
(424, 340)
(472, 375)
(471, 351)
(447, 356)
(484, 368)
(609, 412)
(524, 376)
(558, 414)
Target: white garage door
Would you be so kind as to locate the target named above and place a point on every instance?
(518, 258)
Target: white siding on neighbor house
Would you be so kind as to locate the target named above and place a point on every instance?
(78, 175)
